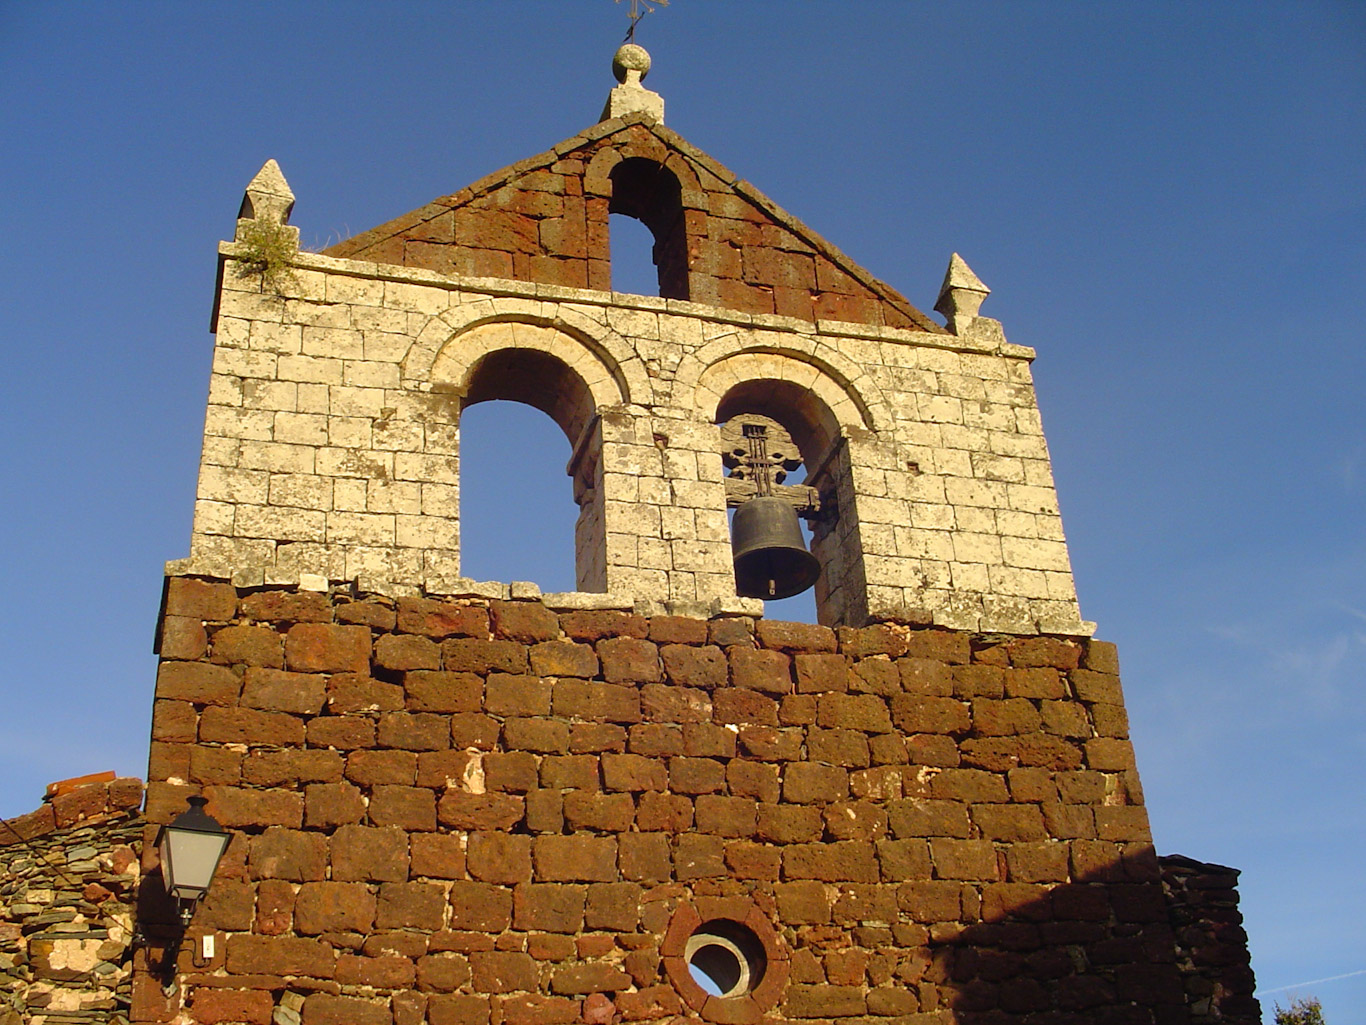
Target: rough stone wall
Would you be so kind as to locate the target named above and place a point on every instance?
(1211, 944)
(493, 811)
(331, 442)
(545, 220)
(68, 879)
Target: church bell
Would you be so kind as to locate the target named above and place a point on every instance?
(771, 560)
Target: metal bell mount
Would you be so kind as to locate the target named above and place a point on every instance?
(771, 560)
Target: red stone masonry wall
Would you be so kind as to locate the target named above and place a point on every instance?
(471, 812)
(545, 220)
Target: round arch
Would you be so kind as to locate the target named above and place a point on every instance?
(528, 363)
(580, 342)
(799, 395)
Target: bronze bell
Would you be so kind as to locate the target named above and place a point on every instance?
(771, 560)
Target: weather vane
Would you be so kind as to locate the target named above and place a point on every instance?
(640, 8)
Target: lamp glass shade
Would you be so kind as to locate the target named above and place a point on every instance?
(191, 848)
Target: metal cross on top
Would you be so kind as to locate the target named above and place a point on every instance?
(640, 8)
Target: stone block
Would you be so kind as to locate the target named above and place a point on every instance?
(382, 972)
(563, 658)
(499, 857)
(1102, 753)
(744, 707)
(197, 683)
(526, 622)
(439, 620)
(549, 907)
(370, 854)
(544, 736)
(480, 907)
(235, 807)
(845, 748)
(289, 854)
(602, 702)
(761, 670)
(786, 824)
(407, 651)
(963, 859)
(726, 816)
(916, 714)
(249, 645)
(357, 692)
(443, 692)
(437, 855)
(409, 808)
(182, 637)
(633, 773)
(279, 955)
(461, 810)
(326, 1009)
(414, 905)
(247, 1006)
(333, 804)
(817, 673)
(629, 660)
(515, 771)
(471, 655)
(334, 907)
(498, 971)
(604, 813)
(279, 691)
(443, 973)
(699, 857)
(703, 668)
(287, 607)
(324, 647)
(595, 625)
(577, 858)
(831, 861)
(814, 783)
(200, 599)
(457, 1009)
(644, 856)
(380, 767)
(414, 731)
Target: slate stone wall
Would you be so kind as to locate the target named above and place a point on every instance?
(1211, 944)
(68, 880)
(493, 811)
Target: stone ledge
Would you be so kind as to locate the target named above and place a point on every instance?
(501, 287)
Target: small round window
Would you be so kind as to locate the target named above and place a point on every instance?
(725, 958)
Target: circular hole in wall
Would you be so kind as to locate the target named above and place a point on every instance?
(725, 958)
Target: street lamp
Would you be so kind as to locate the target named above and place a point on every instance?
(191, 848)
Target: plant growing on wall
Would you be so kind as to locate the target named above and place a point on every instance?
(267, 249)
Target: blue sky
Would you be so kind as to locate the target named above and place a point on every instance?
(1167, 200)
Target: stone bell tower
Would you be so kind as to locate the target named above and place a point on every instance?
(468, 802)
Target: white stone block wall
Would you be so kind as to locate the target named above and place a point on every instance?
(331, 443)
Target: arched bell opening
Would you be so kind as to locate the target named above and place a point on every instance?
(651, 193)
(779, 449)
(535, 378)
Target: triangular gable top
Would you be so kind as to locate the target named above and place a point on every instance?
(719, 240)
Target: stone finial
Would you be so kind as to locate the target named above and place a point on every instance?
(630, 64)
(961, 295)
(268, 196)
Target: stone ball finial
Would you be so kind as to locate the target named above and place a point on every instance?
(630, 57)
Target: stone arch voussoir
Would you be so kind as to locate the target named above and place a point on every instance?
(853, 399)
(584, 344)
